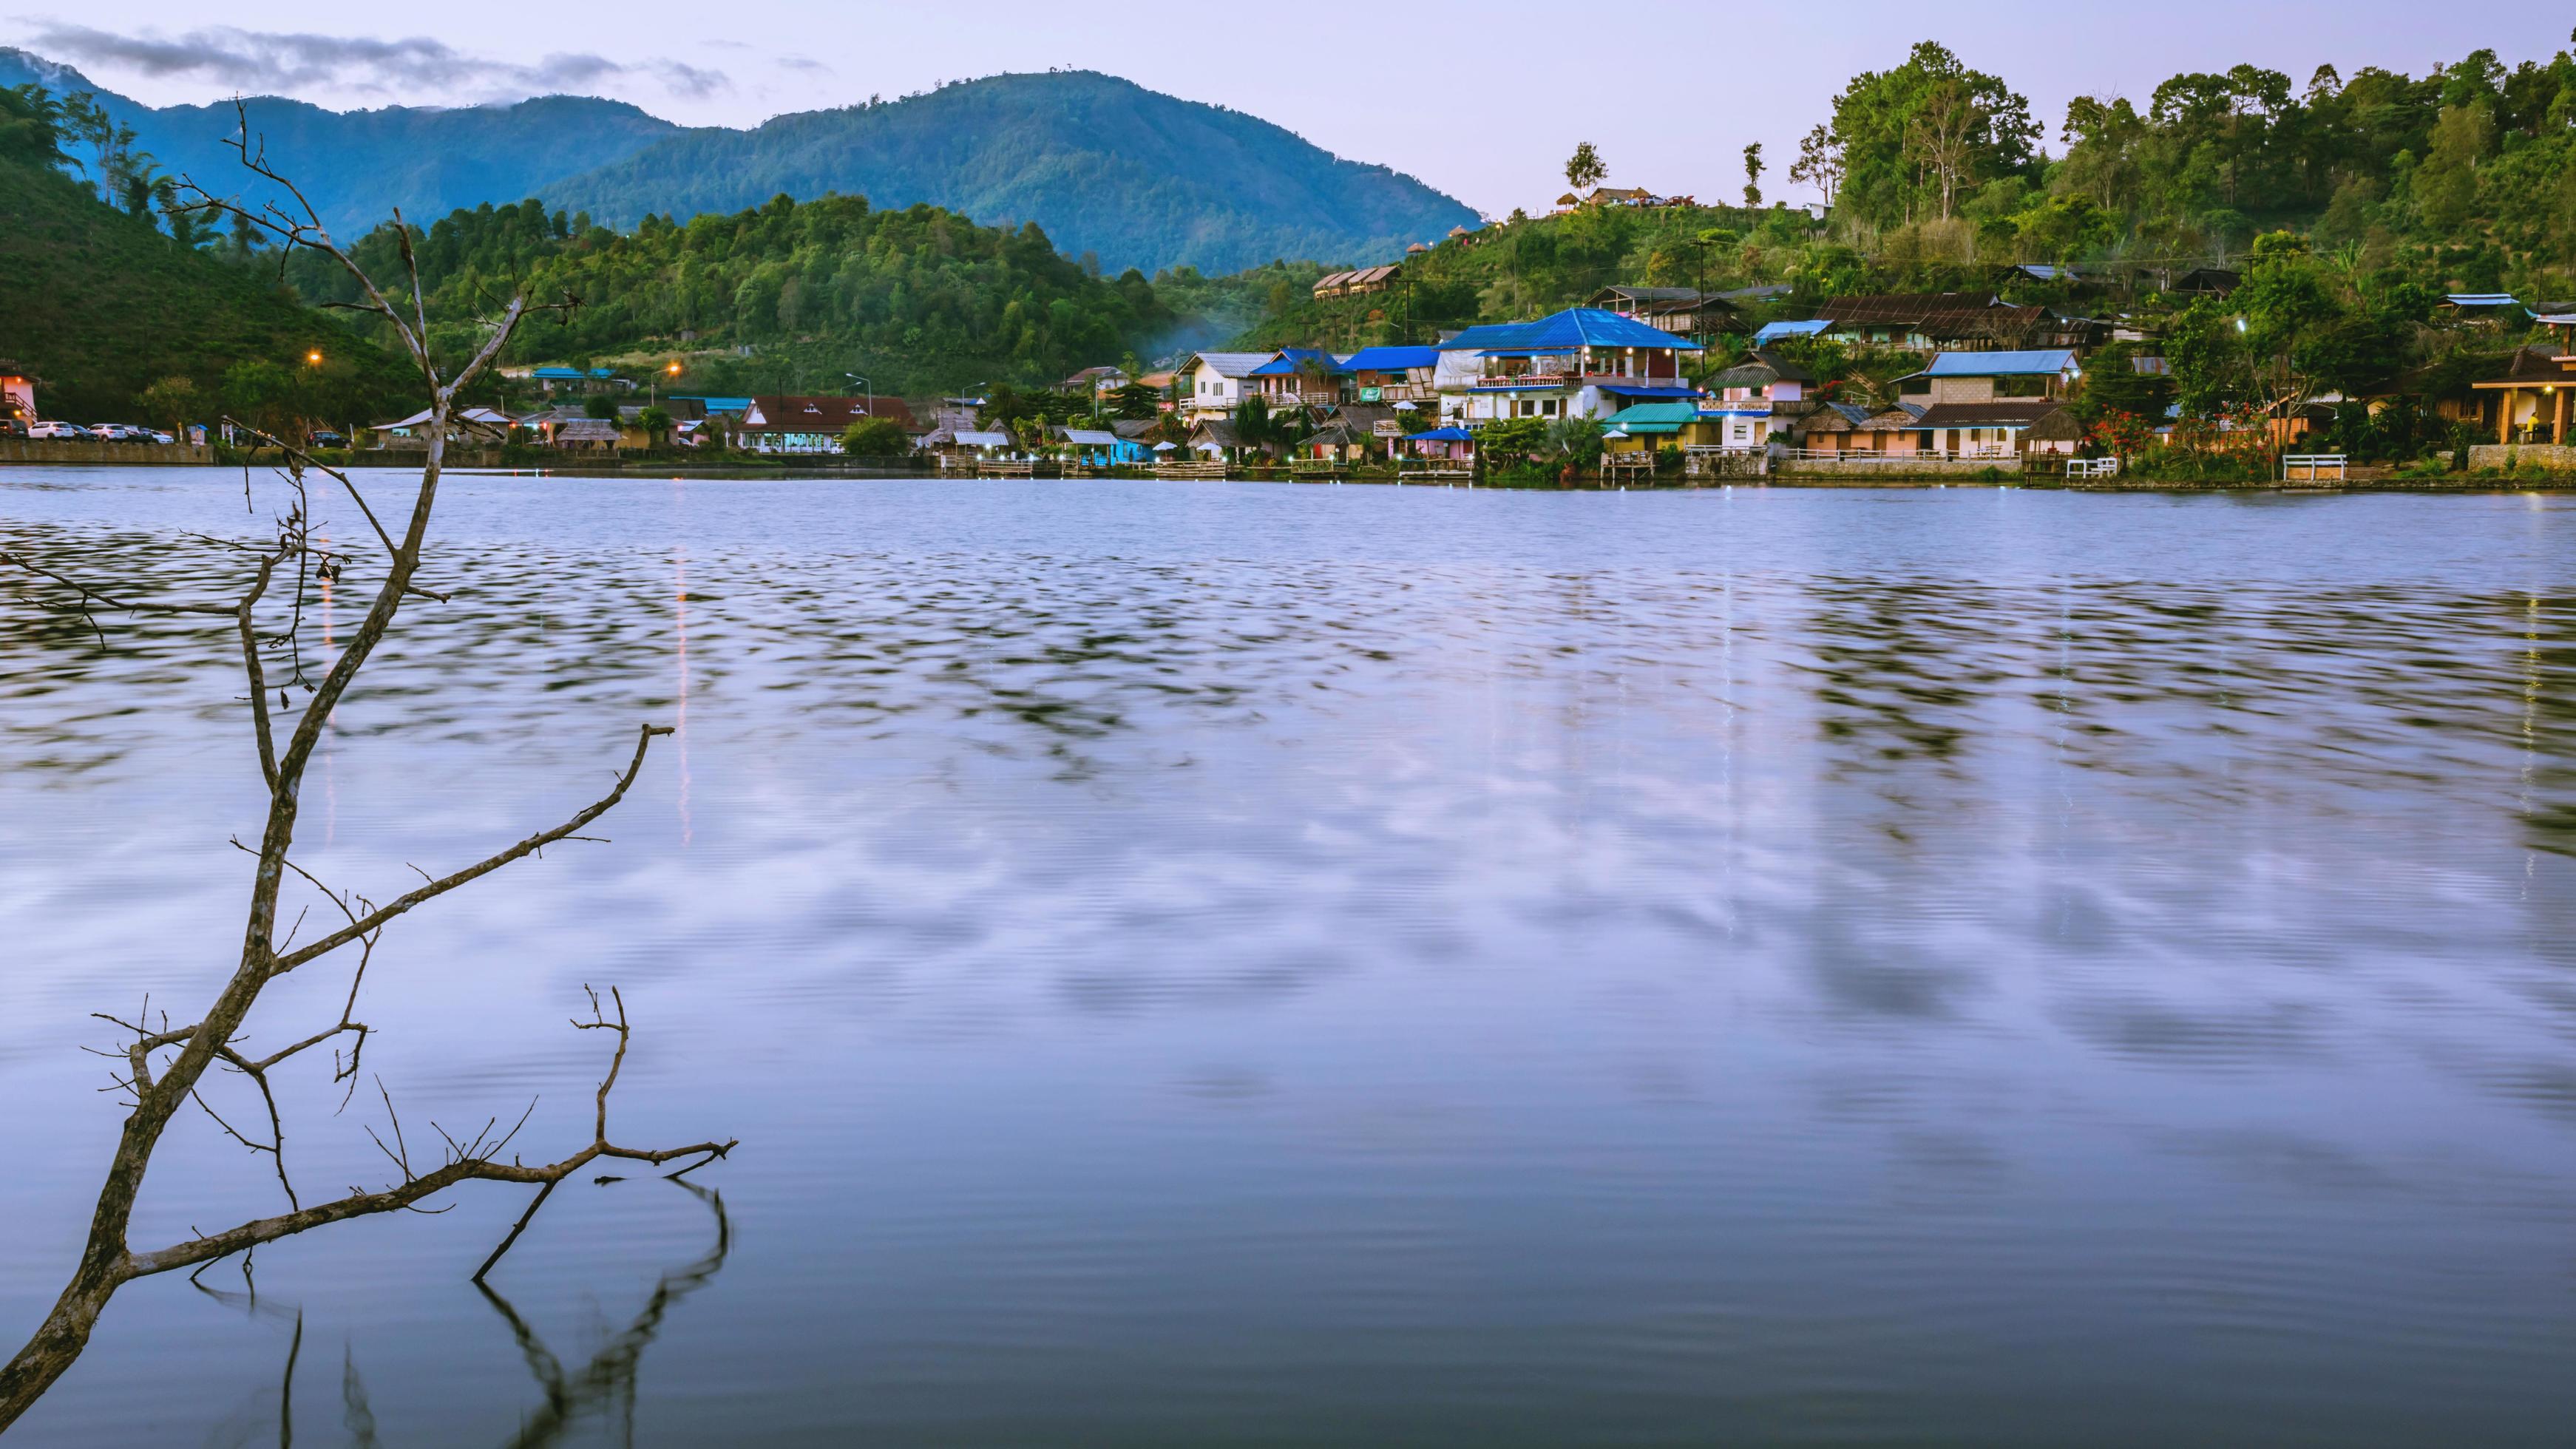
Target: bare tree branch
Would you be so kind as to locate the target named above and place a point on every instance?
(161, 1088)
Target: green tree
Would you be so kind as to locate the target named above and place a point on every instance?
(1912, 136)
(1136, 402)
(2446, 185)
(1584, 169)
(656, 423)
(31, 126)
(172, 402)
(875, 438)
(1753, 174)
(1820, 163)
(2206, 349)
(600, 406)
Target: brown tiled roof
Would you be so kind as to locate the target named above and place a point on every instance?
(2532, 364)
(2015, 414)
(824, 414)
(1939, 315)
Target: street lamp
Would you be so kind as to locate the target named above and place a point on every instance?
(313, 358)
(653, 391)
(866, 387)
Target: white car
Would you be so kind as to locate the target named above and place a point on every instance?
(116, 432)
(60, 432)
(155, 435)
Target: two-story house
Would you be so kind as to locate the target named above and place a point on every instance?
(1756, 398)
(1212, 384)
(1392, 374)
(1982, 404)
(1298, 377)
(1582, 362)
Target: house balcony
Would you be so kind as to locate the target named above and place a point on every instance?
(1568, 378)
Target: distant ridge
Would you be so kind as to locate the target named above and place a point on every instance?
(357, 166)
(1101, 164)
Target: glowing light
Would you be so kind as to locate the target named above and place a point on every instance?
(314, 358)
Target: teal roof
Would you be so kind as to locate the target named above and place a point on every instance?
(1655, 414)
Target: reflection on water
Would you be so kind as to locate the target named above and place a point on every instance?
(601, 1390)
(1195, 962)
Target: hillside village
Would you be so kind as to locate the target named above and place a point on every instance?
(2378, 271)
(1649, 381)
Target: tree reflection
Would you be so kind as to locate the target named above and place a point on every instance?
(605, 1386)
(602, 1388)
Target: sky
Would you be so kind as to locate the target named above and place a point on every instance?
(1484, 101)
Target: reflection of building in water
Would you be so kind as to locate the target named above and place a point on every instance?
(680, 631)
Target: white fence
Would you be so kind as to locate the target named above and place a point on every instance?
(2311, 467)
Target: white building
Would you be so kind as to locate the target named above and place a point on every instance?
(1212, 384)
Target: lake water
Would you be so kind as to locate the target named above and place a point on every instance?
(1204, 963)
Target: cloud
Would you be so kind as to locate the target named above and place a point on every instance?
(288, 61)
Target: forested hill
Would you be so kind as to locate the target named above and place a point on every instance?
(917, 300)
(100, 305)
(1105, 166)
(358, 166)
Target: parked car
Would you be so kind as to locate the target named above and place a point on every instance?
(116, 432)
(155, 435)
(328, 439)
(60, 432)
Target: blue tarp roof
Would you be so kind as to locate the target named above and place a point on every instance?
(555, 372)
(1442, 435)
(1291, 361)
(1573, 327)
(1391, 359)
(1773, 331)
(2001, 364)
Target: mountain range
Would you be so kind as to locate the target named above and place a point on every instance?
(1102, 165)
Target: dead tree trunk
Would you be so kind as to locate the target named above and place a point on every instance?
(163, 1067)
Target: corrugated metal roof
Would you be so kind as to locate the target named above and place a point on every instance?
(1293, 360)
(2046, 363)
(1986, 414)
(1670, 413)
(1771, 332)
(1391, 359)
(1573, 327)
(1230, 364)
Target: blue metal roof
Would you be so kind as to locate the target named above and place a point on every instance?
(2483, 299)
(1477, 339)
(1290, 361)
(1573, 327)
(1391, 359)
(1773, 331)
(1442, 435)
(2001, 364)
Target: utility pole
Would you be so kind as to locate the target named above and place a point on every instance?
(867, 389)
